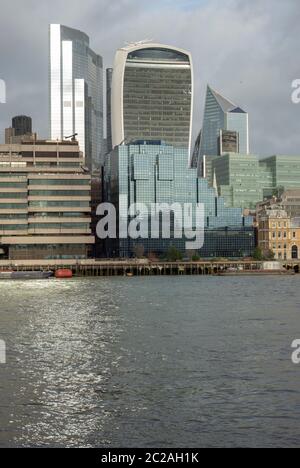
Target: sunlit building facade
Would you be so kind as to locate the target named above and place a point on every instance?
(76, 92)
(152, 95)
(45, 201)
(278, 233)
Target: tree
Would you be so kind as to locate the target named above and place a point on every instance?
(193, 255)
(257, 254)
(139, 250)
(195, 258)
(269, 255)
(173, 254)
(260, 254)
(152, 256)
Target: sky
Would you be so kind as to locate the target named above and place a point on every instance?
(246, 49)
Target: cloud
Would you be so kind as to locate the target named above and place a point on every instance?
(247, 50)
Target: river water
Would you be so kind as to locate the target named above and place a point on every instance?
(150, 362)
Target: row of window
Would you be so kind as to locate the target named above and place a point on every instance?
(56, 193)
(284, 235)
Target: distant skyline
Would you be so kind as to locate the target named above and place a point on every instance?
(246, 50)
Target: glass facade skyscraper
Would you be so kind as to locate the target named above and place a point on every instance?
(148, 173)
(223, 123)
(152, 95)
(76, 92)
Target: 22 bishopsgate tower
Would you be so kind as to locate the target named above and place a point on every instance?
(76, 92)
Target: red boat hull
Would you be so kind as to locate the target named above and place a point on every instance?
(63, 273)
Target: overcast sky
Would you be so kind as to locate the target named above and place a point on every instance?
(246, 49)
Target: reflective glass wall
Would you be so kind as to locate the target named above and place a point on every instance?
(150, 174)
(76, 92)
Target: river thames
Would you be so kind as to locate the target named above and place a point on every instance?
(150, 362)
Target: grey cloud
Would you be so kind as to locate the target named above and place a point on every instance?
(246, 49)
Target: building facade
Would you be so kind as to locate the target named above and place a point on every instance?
(76, 92)
(290, 201)
(45, 201)
(225, 128)
(245, 180)
(278, 233)
(152, 95)
(109, 74)
(22, 125)
(20, 130)
(147, 173)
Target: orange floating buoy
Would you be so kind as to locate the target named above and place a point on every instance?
(63, 273)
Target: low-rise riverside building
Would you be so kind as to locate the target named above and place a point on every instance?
(278, 233)
(45, 201)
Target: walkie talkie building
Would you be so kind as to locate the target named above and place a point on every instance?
(152, 95)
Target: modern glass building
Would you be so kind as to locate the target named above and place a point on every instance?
(152, 95)
(153, 172)
(225, 128)
(244, 180)
(76, 92)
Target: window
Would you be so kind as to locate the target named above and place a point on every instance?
(295, 252)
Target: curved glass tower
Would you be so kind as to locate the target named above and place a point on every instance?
(76, 92)
(152, 95)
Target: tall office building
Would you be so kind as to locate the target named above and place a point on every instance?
(76, 92)
(21, 130)
(152, 95)
(22, 125)
(225, 129)
(109, 74)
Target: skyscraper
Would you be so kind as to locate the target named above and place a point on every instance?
(109, 73)
(21, 130)
(152, 95)
(22, 125)
(76, 92)
(225, 129)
